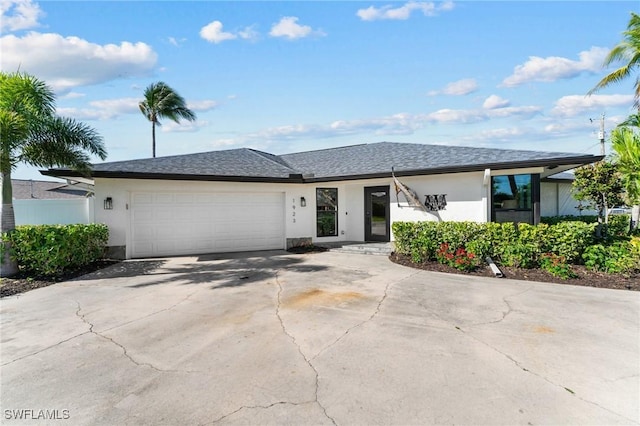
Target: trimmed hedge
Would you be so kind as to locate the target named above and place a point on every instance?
(512, 245)
(618, 224)
(51, 250)
(522, 245)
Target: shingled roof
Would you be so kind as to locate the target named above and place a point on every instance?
(44, 190)
(344, 163)
(241, 162)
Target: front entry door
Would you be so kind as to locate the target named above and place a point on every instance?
(376, 213)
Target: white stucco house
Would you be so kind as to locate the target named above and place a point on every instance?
(244, 199)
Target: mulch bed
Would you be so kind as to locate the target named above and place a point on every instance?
(24, 282)
(585, 277)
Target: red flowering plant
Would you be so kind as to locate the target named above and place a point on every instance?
(458, 258)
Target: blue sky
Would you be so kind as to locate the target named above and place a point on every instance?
(299, 75)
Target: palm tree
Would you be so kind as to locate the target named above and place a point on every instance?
(161, 101)
(632, 121)
(626, 144)
(627, 50)
(31, 133)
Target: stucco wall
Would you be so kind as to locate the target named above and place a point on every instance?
(297, 219)
(466, 198)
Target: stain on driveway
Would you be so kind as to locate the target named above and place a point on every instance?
(325, 338)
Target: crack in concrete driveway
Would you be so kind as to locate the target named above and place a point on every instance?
(328, 338)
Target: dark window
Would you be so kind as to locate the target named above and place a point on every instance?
(327, 212)
(513, 198)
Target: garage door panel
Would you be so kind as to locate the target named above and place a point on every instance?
(165, 224)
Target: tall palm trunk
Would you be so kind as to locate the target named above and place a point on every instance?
(153, 138)
(8, 267)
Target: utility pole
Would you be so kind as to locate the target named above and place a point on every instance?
(601, 134)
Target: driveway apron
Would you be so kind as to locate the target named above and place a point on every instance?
(324, 338)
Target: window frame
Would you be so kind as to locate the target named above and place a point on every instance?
(326, 212)
(531, 204)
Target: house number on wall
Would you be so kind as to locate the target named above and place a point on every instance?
(293, 213)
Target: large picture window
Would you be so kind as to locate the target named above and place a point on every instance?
(513, 198)
(327, 212)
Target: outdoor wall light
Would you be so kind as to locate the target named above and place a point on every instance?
(108, 203)
(303, 202)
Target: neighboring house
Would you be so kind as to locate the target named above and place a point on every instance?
(42, 202)
(244, 199)
(557, 197)
(47, 190)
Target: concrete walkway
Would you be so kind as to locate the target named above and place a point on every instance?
(325, 338)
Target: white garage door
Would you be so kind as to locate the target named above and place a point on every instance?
(164, 224)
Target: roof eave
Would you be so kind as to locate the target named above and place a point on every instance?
(298, 178)
(294, 178)
(553, 162)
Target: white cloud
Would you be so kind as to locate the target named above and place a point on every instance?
(249, 33)
(288, 27)
(18, 15)
(202, 105)
(176, 42)
(457, 116)
(118, 106)
(73, 95)
(499, 135)
(104, 109)
(457, 88)
(183, 126)
(554, 68)
(572, 105)
(403, 12)
(522, 111)
(76, 62)
(213, 33)
(495, 101)
(396, 124)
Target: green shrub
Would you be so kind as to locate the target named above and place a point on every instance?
(500, 236)
(616, 257)
(569, 239)
(552, 247)
(554, 220)
(50, 250)
(556, 265)
(520, 255)
(458, 258)
(618, 225)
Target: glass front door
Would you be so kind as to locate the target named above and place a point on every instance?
(376, 213)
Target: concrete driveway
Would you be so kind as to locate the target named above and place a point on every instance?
(328, 338)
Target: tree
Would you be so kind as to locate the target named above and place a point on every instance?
(626, 145)
(627, 50)
(600, 186)
(161, 101)
(632, 121)
(31, 133)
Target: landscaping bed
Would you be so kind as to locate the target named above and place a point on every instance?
(24, 282)
(584, 277)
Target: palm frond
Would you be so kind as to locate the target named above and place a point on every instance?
(26, 95)
(62, 142)
(162, 102)
(627, 50)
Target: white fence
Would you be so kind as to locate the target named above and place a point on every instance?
(54, 212)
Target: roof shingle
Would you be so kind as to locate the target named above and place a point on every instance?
(348, 162)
